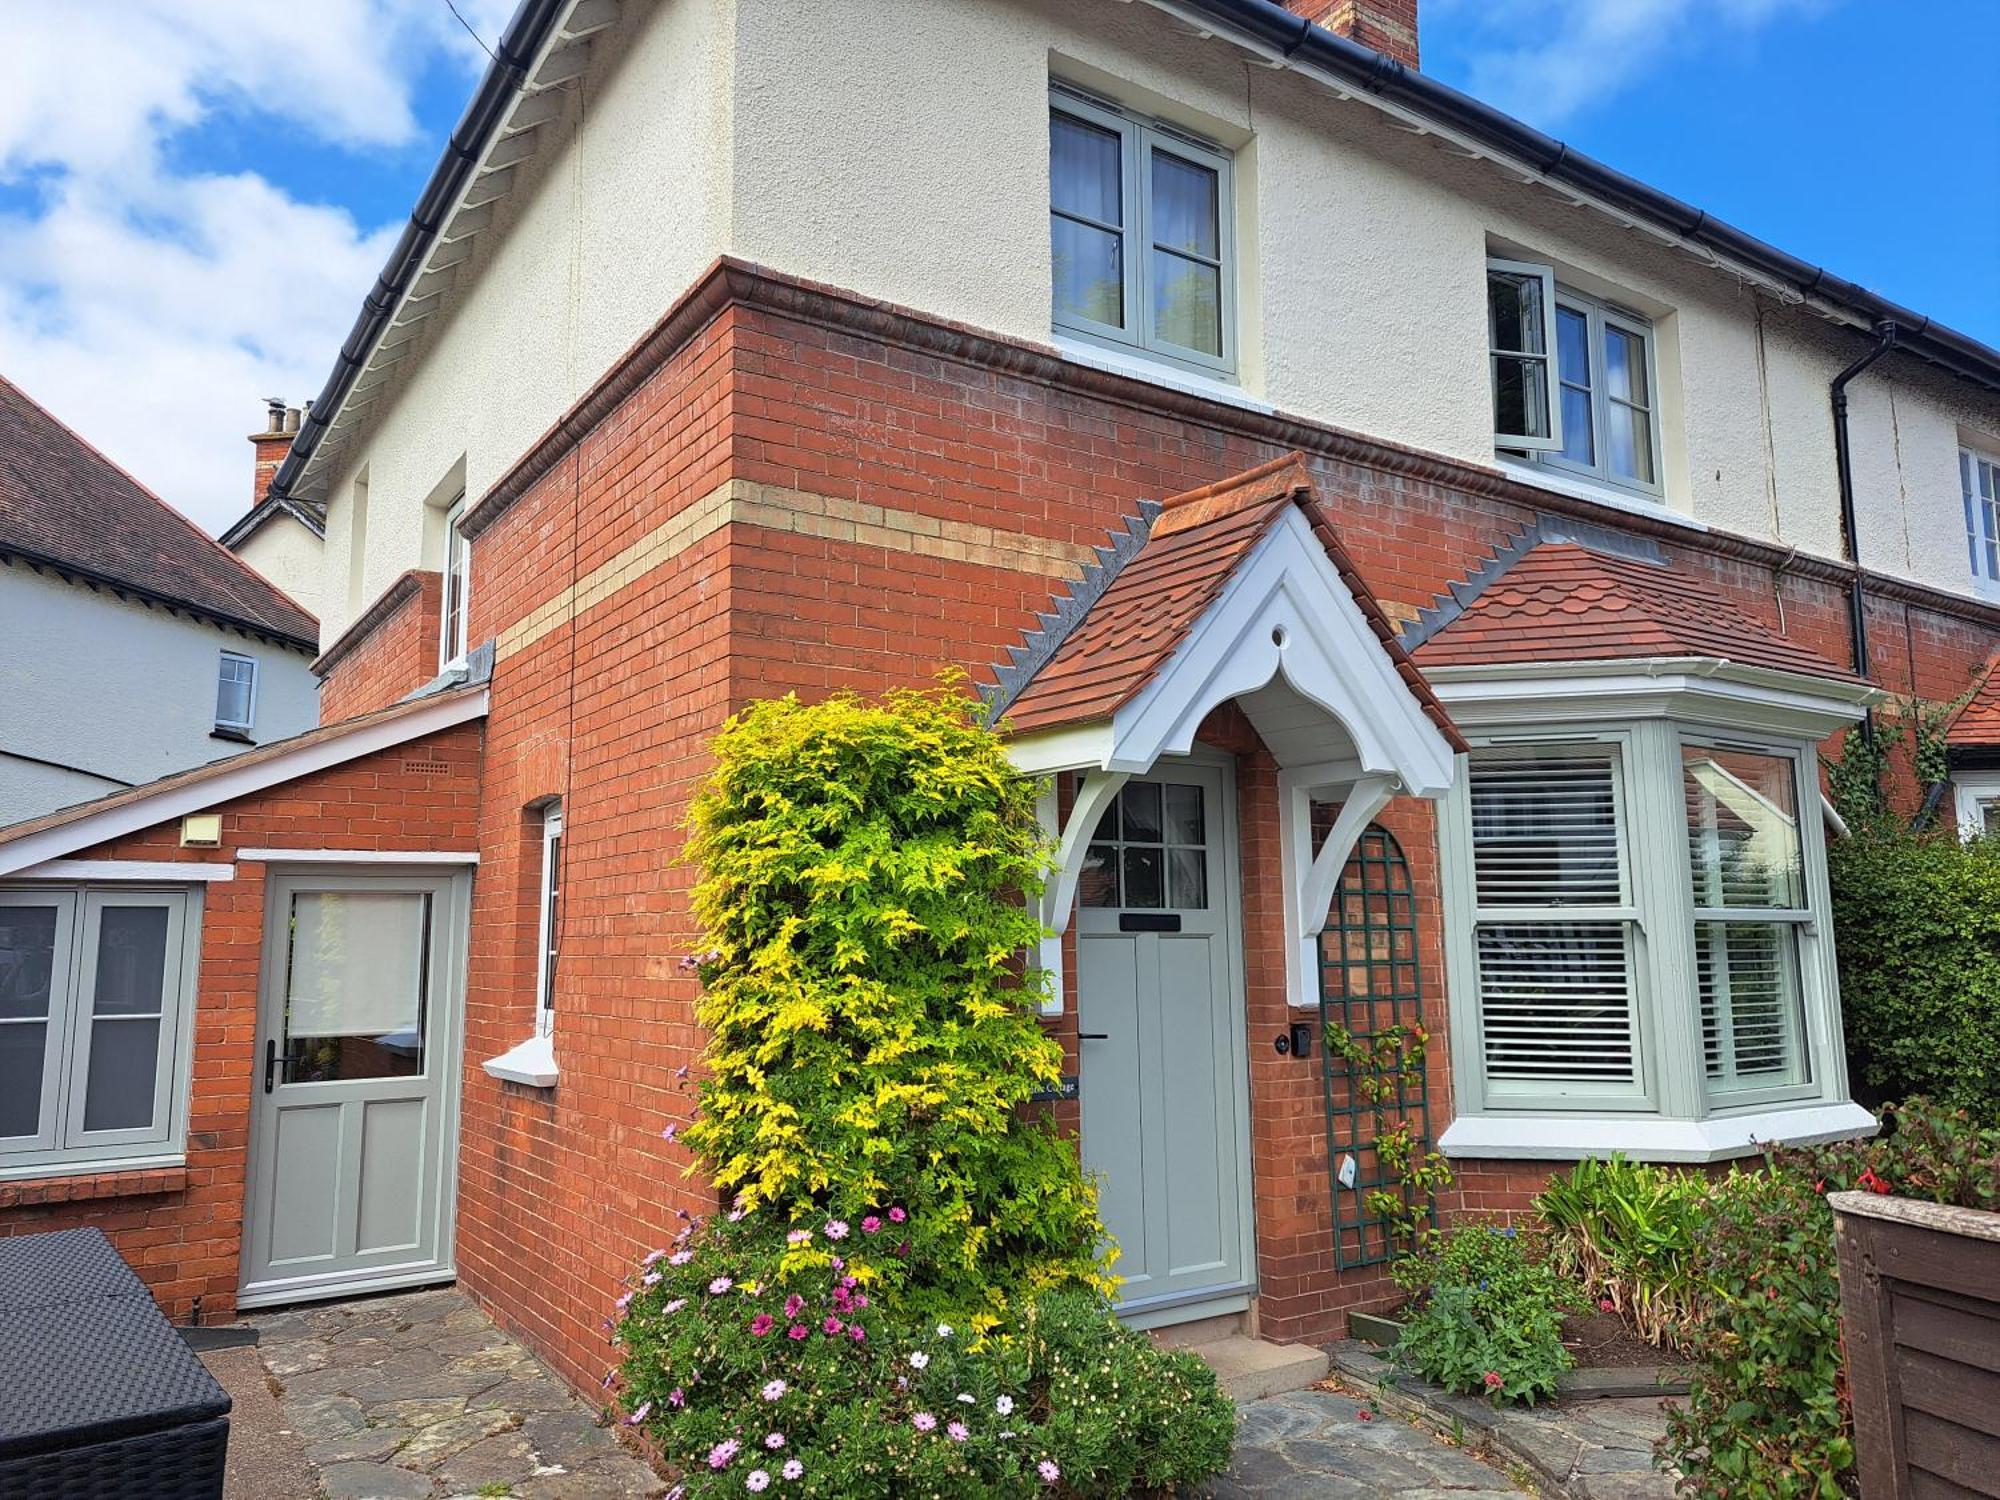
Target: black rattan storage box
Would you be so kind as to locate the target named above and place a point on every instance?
(99, 1396)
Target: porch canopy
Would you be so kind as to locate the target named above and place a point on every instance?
(1239, 592)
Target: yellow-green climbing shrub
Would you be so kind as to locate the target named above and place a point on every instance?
(872, 1036)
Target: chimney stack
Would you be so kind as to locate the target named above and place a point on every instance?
(281, 425)
(1389, 26)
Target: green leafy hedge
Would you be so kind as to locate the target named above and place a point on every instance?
(1917, 928)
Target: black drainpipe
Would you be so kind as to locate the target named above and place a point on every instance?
(1857, 603)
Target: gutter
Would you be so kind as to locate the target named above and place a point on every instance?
(519, 45)
(226, 620)
(1301, 44)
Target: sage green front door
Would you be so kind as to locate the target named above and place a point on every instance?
(1162, 1077)
(354, 1103)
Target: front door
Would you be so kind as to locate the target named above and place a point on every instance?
(354, 1121)
(1163, 1081)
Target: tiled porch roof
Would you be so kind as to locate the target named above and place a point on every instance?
(1100, 647)
(1977, 724)
(1563, 601)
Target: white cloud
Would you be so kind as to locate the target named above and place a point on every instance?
(150, 306)
(1548, 60)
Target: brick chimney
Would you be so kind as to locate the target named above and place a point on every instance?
(1389, 26)
(271, 445)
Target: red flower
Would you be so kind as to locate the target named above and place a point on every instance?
(1493, 1380)
(1873, 1183)
(761, 1325)
(1365, 1414)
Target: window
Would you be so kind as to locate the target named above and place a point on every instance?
(1635, 917)
(1139, 234)
(1149, 850)
(1979, 480)
(1593, 408)
(236, 692)
(457, 587)
(93, 1043)
(549, 925)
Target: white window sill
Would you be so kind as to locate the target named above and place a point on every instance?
(532, 1063)
(1542, 477)
(1157, 372)
(1573, 1137)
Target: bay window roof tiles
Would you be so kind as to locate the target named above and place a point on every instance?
(1978, 722)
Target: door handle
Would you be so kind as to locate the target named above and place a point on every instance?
(270, 1062)
(1093, 1036)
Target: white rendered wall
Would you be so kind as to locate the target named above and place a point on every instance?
(119, 691)
(287, 553)
(899, 148)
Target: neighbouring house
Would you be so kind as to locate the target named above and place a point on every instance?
(282, 538)
(1424, 563)
(131, 645)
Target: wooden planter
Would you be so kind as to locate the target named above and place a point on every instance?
(1920, 1307)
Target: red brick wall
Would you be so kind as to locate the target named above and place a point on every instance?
(380, 660)
(180, 1227)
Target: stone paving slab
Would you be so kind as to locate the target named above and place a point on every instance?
(1323, 1444)
(418, 1396)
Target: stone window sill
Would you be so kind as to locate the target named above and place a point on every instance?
(82, 1185)
(533, 1063)
(1718, 1138)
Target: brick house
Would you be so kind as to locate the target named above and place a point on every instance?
(1424, 569)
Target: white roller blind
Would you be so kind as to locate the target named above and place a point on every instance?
(357, 962)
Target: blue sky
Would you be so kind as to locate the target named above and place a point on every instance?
(193, 229)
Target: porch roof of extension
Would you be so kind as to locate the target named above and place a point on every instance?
(1977, 723)
(1105, 641)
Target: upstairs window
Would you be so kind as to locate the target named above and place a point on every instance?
(1574, 379)
(1139, 236)
(1979, 481)
(236, 692)
(457, 587)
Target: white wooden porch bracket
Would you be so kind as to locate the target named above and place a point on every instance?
(1059, 895)
(1311, 874)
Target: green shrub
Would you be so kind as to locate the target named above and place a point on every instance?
(1632, 1234)
(1488, 1315)
(760, 1362)
(1768, 1417)
(870, 1036)
(1917, 927)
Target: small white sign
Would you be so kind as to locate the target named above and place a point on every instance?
(1347, 1170)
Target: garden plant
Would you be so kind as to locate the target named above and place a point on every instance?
(1487, 1314)
(908, 1292)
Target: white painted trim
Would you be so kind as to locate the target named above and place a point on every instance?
(1059, 895)
(237, 780)
(360, 856)
(533, 1062)
(148, 871)
(1555, 1137)
(1969, 790)
(1725, 695)
(317, 1288)
(1310, 875)
(1077, 747)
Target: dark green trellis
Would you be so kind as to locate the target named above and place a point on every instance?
(1370, 981)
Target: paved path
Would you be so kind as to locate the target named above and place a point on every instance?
(1318, 1445)
(417, 1396)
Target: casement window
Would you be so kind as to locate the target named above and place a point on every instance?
(1575, 381)
(457, 587)
(236, 692)
(1979, 482)
(1140, 236)
(96, 991)
(549, 919)
(1634, 910)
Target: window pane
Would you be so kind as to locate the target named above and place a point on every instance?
(1545, 828)
(1098, 884)
(1187, 303)
(124, 1062)
(551, 915)
(1187, 884)
(1516, 313)
(1185, 197)
(1747, 976)
(131, 961)
(1573, 346)
(1625, 367)
(1520, 396)
(27, 960)
(1743, 829)
(232, 690)
(1631, 442)
(356, 985)
(1144, 878)
(1579, 445)
(1089, 272)
(1555, 1002)
(1084, 174)
(1141, 802)
(1184, 816)
(21, 1058)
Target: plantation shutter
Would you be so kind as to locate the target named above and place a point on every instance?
(1553, 931)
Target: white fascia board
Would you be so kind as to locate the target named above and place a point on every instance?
(146, 871)
(237, 781)
(532, 1063)
(1644, 1138)
(1286, 610)
(1725, 694)
(360, 856)
(1079, 747)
